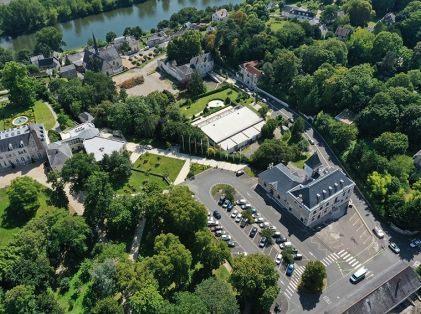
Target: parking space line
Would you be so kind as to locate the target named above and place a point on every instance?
(362, 234)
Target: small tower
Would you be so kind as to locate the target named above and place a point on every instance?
(312, 166)
(95, 43)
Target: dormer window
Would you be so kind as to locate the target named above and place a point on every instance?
(10, 146)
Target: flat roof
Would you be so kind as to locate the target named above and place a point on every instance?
(251, 132)
(100, 146)
(227, 144)
(229, 123)
(75, 131)
(240, 138)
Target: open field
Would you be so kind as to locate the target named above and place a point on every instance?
(39, 113)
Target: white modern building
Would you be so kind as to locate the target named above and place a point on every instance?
(314, 198)
(22, 145)
(101, 146)
(231, 128)
(250, 74)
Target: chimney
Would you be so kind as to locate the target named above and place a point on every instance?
(336, 186)
(300, 198)
(324, 194)
(342, 183)
(318, 197)
(330, 190)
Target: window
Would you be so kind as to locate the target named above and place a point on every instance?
(336, 200)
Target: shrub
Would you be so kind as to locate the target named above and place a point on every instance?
(132, 82)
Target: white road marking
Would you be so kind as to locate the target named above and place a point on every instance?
(310, 253)
(335, 255)
(345, 255)
(352, 260)
(324, 263)
(348, 259)
(340, 251)
(354, 263)
(358, 265)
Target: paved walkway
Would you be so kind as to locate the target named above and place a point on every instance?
(137, 150)
(134, 249)
(56, 126)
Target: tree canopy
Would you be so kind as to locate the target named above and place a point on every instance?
(184, 47)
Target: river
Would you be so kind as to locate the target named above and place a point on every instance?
(146, 15)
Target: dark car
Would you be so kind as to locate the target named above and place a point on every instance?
(226, 203)
(294, 250)
(253, 232)
(216, 214)
(290, 269)
(231, 243)
(263, 242)
(230, 207)
(244, 222)
(221, 199)
(281, 239)
(239, 173)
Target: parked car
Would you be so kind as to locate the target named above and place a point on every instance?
(244, 222)
(245, 206)
(281, 239)
(294, 250)
(255, 215)
(221, 199)
(231, 243)
(216, 214)
(278, 259)
(226, 203)
(264, 225)
(241, 201)
(239, 173)
(219, 233)
(226, 237)
(378, 232)
(415, 243)
(298, 256)
(394, 247)
(253, 232)
(273, 228)
(290, 269)
(291, 120)
(260, 219)
(230, 207)
(285, 244)
(238, 218)
(148, 147)
(263, 242)
(311, 142)
(277, 234)
(234, 213)
(212, 222)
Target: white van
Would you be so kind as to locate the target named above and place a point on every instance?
(285, 244)
(358, 275)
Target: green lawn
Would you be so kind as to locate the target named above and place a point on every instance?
(195, 169)
(9, 225)
(200, 104)
(137, 180)
(43, 115)
(39, 113)
(275, 25)
(166, 166)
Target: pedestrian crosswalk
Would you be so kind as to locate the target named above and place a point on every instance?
(294, 281)
(342, 255)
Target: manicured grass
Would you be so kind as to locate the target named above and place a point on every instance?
(195, 169)
(200, 104)
(9, 225)
(275, 25)
(43, 115)
(137, 180)
(162, 165)
(300, 163)
(222, 273)
(250, 172)
(39, 113)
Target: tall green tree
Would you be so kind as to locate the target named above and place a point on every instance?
(313, 276)
(23, 196)
(196, 85)
(386, 42)
(359, 12)
(20, 300)
(184, 47)
(390, 144)
(108, 306)
(110, 36)
(48, 39)
(78, 169)
(21, 86)
(256, 280)
(360, 46)
(285, 67)
(123, 214)
(272, 151)
(117, 165)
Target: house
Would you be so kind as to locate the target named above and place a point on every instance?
(22, 145)
(85, 117)
(190, 25)
(220, 15)
(342, 33)
(296, 13)
(314, 198)
(126, 44)
(106, 60)
(250, 74)
(100, 146)
(157, 39)
(389, 18)
(77, 60)
(346, 116)
(68, 71)
(202, 64)
(75, 136)
(417, 159)
(57, 154)
(45, 63)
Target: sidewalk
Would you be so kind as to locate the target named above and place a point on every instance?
(137, 150)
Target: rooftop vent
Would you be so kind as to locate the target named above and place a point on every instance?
(342, 182)
(318, 197)
(330, 190)
(324, 193)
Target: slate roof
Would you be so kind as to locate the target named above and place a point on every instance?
(314, 161)
(57, 154)
(321, 188)
(105, 56)
(67, 68)
(342, 32)
(281, 178)
(85, 117)
(389, 295)
(19, 137)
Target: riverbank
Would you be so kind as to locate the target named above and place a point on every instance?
(146, 15)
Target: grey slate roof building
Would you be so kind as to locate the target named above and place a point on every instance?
(57, 154)
(68, 71)
(312, 200)
(85, 117)
(45, 63)
(22, 145)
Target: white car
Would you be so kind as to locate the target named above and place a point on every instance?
(241, 201)
(264, 225)
(260, 220)
(226, 237)
(278, 259)
(378, 232)
(148, 147)
(238, 218)
(273, 228)
(234, 213)
(256, 215)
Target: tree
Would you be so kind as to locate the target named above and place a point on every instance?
(108, 306)
(314, 56)
(379, 184)
(58, 195)
(48, 40)
(23, 196)
(410, 23)
(46, 303)
(209, 251)
(390, 144)
(6, 55)
(287, 256)
(285, 67)
(146, 300)
(329, 14)
(401, 166)
(110, 36)
(99, 195)
(123, 214)
(383, 6)
(297, 128)
(272, 151)
(313, 276)
(20, 300)
(359, 12)
(268, 233)
(117, 165)
(185, 302)
(256, 279)
(360, 46)
(184, 47)
(78, 169)
(217, 296)
(269, 128)
(384, 43)
(21, 86)
(196, 85)
(23, 56)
